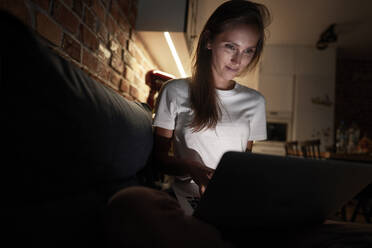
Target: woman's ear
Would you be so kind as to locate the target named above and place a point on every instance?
(209, 45)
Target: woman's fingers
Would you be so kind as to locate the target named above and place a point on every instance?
(201, 189)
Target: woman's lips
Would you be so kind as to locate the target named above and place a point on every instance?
(232, 69)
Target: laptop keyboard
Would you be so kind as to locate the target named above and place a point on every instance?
(194, 201)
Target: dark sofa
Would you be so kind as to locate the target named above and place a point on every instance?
(68, 141)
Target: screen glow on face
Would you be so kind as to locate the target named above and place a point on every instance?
(232, 51)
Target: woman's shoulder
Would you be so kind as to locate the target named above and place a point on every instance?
(174, 90)
(176, 85)
(251, 92)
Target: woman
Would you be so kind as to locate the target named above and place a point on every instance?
(209, 113)
(204, 116)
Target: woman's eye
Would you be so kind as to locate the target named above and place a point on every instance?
(229, 46)
(249, 51)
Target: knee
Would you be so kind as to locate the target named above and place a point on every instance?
(143, 217)
(143, 201)
(134, 213)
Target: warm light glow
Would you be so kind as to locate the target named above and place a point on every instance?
(175, 55)
(163, 73)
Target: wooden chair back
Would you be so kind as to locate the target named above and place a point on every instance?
(311, 148)
(292, 148)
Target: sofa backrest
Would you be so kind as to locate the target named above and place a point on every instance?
(64, 132)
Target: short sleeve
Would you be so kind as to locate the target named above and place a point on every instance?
(166, 107)
(258, 123)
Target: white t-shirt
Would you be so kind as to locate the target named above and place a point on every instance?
(243, 119)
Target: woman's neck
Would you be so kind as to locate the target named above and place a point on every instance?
(224, 85)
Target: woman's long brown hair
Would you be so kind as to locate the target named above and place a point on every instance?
(203, 98)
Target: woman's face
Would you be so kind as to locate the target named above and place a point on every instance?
(232, 51)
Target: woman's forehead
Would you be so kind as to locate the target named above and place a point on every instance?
(242, 35)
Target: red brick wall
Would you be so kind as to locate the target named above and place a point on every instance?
(354, 93)
(96, 35)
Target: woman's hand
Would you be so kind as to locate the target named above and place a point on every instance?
(179, 167)
(201, 174)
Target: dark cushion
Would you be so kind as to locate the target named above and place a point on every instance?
(67, 139)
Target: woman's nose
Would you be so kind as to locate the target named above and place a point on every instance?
(236, 58)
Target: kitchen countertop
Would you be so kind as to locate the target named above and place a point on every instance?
(357, 157)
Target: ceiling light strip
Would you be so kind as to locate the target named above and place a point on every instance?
(174, 54)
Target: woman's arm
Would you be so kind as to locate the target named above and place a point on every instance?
(178, 167)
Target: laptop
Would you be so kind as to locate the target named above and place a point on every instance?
(258, 191)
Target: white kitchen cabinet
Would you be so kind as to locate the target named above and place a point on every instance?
(278, 60)
(278, 92)
(300, 80)
(314, 109)
(275, 80)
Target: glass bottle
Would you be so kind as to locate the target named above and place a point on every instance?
(341, 138)
(353, 136)
(357, 134)
(350, 139)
